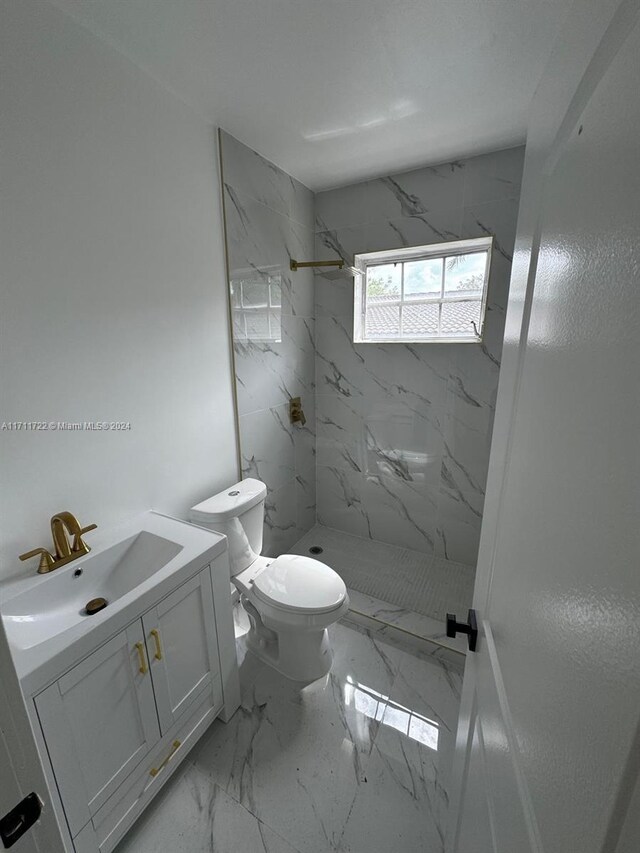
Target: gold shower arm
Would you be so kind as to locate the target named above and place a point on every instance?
(296, 265)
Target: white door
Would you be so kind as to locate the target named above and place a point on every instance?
(182, 646)
(548, 747)
(99, 721)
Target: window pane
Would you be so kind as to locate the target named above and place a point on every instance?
(382, 321)
(236, 293)
(397, 718)
(257, 326)
(458, 318)
(275, 291)
(424, 731)
(275, 326)
(255, 294)
(420, 321)
(423, 279)
(239, 327)
(422, 293)
(383, 282)
(464, 274)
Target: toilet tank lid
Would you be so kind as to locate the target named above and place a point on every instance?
(231, 502)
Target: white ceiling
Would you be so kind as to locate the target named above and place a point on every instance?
(334, 91)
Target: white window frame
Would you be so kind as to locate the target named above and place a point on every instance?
(415, 253)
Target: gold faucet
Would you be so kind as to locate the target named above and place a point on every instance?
(63, 524)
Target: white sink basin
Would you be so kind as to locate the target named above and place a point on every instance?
(36, 615)
(132, 567)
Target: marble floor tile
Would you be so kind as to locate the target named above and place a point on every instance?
(357, 761)
(408, 774)
(295, 755)
(194, 815)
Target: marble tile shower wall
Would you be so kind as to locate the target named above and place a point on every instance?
(404, 430)
(269, 219)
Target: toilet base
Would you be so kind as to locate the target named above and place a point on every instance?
(301, 655)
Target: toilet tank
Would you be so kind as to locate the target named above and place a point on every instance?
(238, 513)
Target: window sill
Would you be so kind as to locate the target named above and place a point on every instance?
(466, 340)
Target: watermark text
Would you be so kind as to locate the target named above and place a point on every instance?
(65, 426)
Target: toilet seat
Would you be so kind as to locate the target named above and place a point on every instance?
(299, 585)
(291, 601)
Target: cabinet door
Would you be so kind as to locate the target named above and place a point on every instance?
(182, 646)
(99, 721)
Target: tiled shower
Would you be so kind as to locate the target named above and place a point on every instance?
(268, 220)
(395, 447)
(404, 430)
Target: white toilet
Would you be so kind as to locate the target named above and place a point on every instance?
(291, 600)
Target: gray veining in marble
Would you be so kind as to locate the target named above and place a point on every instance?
(269, 218)
(404, 431)
(397, 439)
(357, 761)
(194, 815)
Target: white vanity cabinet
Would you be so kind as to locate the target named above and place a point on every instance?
(117, 723)
(180, 635)
(99, 722)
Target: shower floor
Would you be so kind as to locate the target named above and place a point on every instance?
(383, 574)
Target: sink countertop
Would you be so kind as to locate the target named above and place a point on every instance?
(39, 664)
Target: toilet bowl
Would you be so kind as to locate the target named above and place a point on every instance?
(290, 600)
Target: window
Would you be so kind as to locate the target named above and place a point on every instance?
(426, 293)
(257, 307)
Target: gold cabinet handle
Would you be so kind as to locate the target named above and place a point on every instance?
(144, 668)
(174, 746)
(156, 637)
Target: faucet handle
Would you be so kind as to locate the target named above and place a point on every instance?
(46, 560)
(78, 543)
(296, 415)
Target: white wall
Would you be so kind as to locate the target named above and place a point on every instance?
(113, 287)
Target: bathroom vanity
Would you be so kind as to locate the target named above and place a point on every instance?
(118, 698)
